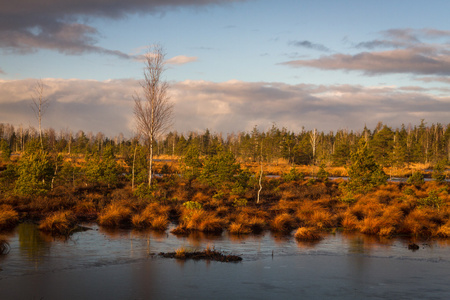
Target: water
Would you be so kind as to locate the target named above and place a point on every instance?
(123, 264)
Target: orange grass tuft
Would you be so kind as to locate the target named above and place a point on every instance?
(349, 221)
(115, 215)
(239, 228)
(59, 223)
(307, 234)
(8, 217)
(283, 223)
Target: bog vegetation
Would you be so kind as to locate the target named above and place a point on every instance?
(313, 182)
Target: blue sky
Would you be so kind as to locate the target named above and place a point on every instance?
(231, 64)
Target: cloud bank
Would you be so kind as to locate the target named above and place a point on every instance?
(62, 25)
(404, 51)
(107, 106)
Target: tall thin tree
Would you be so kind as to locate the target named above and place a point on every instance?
(39, 105)
(153, 111)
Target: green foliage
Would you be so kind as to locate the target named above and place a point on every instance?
(240, 202)
(35, 171)
(192, 205)
(105, 170)
(347, 198)
(5, 150)
(439, 171)
(322, 174)
(190, 164)
(433, 200)
(8, 177)
(416, 178)
(220, 169)
(143, 191)
(293, 175)
(364, 172)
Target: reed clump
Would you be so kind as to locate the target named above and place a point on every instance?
(8, 217)
(59, 223)
(155, 216)
(307, 234)
(115, 215)
(283, 223)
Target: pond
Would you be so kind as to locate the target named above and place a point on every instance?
(123, 264)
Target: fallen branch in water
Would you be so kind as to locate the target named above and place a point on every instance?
(4, 247)
(206, 254)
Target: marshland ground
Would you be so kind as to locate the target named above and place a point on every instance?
(305, 185)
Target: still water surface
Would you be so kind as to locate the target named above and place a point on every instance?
(123, 264)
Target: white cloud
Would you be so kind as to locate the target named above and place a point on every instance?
(181, 60)
(107, 106)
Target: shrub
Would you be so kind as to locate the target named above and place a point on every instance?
(416, 178)
(192, 205)
(293, 175)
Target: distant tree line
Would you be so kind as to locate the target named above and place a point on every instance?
(428, 144)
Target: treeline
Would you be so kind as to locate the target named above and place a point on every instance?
(399, 147)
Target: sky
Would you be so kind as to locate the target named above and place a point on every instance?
(231, 64)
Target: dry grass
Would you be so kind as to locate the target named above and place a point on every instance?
(283, 223)
(322, 219)
(155, 216)
(115, 215)
(85, 210)
(8, 217)
(59, 223)
(239, 228)
(307, 234)
(349, 221)
(419, 223)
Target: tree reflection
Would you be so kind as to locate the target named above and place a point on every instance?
(32, 242)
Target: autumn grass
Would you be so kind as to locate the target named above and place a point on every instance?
(307, 234)
(8, 217)
(115, 215)
(155, 216)
(59, 223)
(283, 223)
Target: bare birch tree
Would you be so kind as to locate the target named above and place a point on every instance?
(39, 105)
(153, 111)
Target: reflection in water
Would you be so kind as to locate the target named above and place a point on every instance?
(33, 243)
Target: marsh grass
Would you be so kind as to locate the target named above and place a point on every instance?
(115, 215)
(307, 234)
(59, 223)
(283, 223)
(8, 217)
(155, 216)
